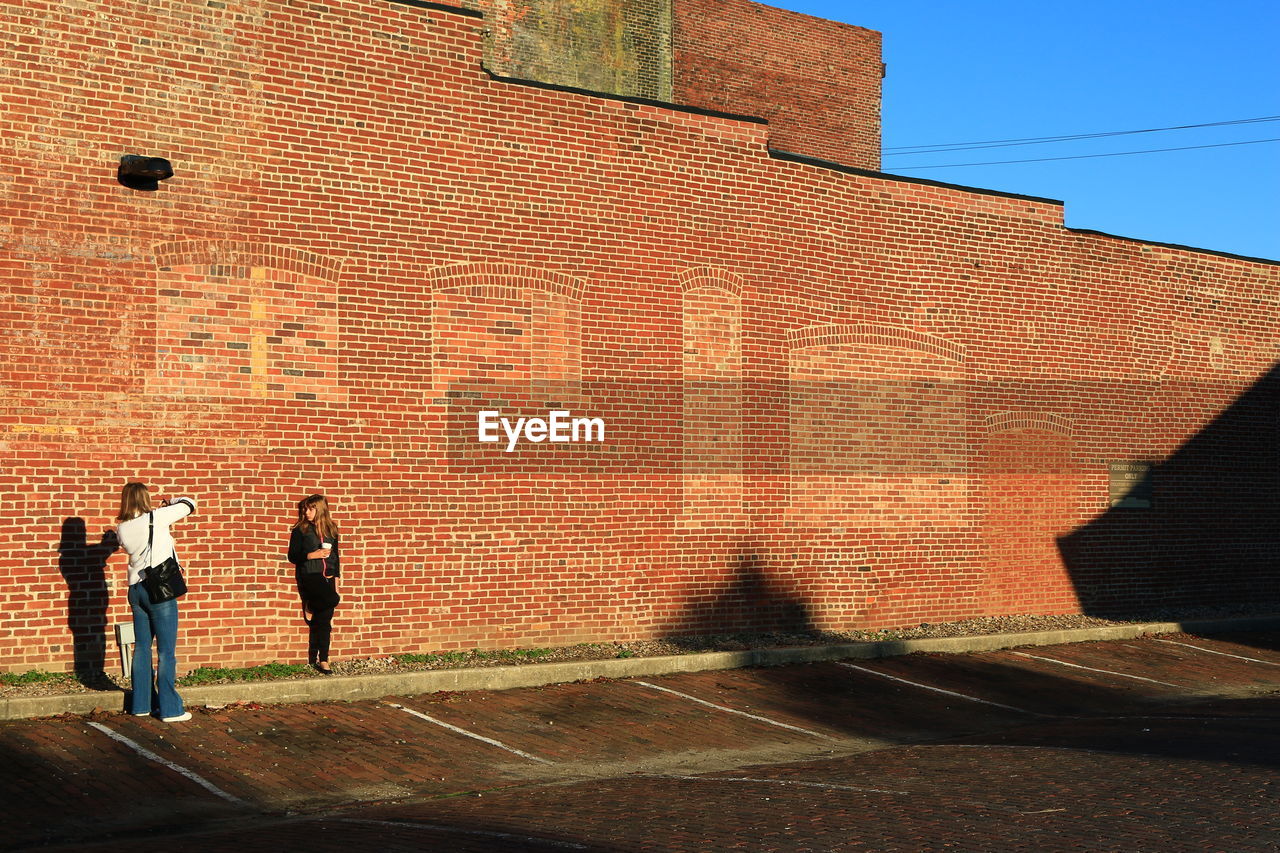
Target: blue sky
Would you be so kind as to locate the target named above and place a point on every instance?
(996, 70)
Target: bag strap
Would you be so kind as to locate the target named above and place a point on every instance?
(151, 529)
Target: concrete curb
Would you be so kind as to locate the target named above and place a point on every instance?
(348, 688)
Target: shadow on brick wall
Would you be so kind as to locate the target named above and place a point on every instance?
(1201, 536)
(753, 602)
(83, 566)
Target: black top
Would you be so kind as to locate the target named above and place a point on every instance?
(302, 541)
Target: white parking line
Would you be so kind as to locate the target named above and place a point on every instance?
(177, 768)
(797, 783)
(487, 740)
(1091, 669)
(732, 710)
(484, 833)
(829, 786)
(940, 690)
(1215, 652)
(1022, 747)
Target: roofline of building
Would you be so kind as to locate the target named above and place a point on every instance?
(1178, 246)
(853, 170)
(628, 99)
(778, 154)
(871, 173)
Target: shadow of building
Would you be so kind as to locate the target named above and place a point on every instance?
(1198, 532)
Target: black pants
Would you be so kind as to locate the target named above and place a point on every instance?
(320, 596)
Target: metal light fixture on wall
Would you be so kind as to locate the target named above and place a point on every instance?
(143, 173)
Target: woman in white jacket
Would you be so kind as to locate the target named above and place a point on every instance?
(136, 520)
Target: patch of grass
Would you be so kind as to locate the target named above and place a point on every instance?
(264, 672)
(516, 654)
(35, 676)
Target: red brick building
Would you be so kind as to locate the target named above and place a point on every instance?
(832, 398)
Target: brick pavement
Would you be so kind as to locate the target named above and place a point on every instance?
(817, 757)
(947, 796)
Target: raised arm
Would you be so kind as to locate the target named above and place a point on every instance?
(176, 509)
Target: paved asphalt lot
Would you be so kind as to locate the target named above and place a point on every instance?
(1151, 744)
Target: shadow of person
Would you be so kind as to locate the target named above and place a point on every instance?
(83, 567)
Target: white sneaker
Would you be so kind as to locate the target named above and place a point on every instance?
(181, 718)
(142, 714)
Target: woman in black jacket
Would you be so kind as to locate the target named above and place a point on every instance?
(313, 550)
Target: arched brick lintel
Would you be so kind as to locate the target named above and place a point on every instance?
(1012, 421)
(496, 279)
(875, 335)
(697, 277)
(233, 253)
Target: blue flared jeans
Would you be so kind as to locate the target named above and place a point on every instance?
(158, 622)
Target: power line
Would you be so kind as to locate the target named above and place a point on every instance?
(1041, 140)
(1082, 156)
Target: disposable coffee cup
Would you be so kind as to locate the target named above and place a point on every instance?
(326, 545)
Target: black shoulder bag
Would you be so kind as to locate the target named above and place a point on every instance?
(165, 581)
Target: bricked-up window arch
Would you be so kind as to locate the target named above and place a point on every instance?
(878, 436)
(239, 318)
(1030, 491)
(509, 338)
(515, 324)
(503, 337)
(232, 253)
(874, 335)
(713, 397)
(1048, 421)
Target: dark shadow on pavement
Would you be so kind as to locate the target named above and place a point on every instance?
(1064, 710)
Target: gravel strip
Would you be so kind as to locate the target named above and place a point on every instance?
(61, 684)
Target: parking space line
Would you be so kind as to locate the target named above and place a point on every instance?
(831, 786)
(798, 783)
(728, 710)
(177, 768)
(1215, 652)
(1025, 746)
(487, 740)
(1092, 669)
(458, 830)
(940, 690)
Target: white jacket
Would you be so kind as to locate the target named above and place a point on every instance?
(133, 536)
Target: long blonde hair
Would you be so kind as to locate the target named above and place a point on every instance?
(323, 524)
(135, 500)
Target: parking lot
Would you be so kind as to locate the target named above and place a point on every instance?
(1158, 743)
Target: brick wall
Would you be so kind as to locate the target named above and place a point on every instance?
(832, 399)
(816, 81)
(622, 47)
